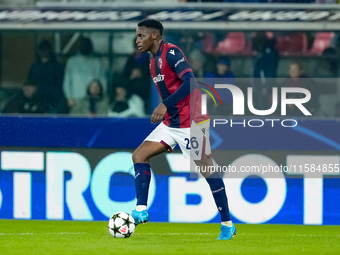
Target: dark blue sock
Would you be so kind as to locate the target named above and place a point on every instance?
(142, 181)
(219, 193)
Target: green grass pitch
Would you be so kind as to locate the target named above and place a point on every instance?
(74, 237)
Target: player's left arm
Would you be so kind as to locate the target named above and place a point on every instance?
(179, 64)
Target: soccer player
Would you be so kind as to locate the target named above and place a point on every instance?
(172, 74)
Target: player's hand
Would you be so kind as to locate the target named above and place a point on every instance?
(158, 113)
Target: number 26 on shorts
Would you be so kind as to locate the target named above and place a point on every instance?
(193, 142)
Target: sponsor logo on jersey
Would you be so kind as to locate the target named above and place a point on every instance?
(179, 61)
(158, 78)
(218, 190)
(172, 51)
(160, 63)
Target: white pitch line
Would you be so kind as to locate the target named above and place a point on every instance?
(82, 233)
(169, 234)
(15, 234)
(299, 235)
(315, 235)
(62, 233)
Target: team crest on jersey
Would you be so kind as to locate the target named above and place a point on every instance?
(160, 63)
(158, 78)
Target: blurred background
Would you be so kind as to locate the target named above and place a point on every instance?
(41, 44)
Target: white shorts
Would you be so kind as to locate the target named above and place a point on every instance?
(194, 141)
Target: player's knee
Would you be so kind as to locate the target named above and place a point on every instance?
(134, 157)
(138, 158)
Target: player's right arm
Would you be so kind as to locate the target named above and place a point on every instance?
(158, 113)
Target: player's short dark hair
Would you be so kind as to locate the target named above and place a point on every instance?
(152, 23)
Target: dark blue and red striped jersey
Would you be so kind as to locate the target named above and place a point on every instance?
(167, 67)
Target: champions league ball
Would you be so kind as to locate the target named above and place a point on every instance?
(121, 225)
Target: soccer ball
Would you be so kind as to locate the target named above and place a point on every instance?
(121, 225)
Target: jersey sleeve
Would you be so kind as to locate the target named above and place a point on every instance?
(177, 62)
(184, 90)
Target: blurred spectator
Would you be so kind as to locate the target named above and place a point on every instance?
(27, 101)
(126, 104)
(295, 73)
(187, 40)
(95, 102)
(80, 70)
(329, 65)
(48, 75)
(222, 70)
(225, 76)
(297, 78)
(137, 75)
(264, 72)
(197, 62)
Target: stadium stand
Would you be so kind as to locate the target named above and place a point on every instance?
(292, 44)
(321, 42)
(208, 42)
(301, 38)
(234, 42)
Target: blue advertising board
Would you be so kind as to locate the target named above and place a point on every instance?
(309, 134)
(81, 169)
